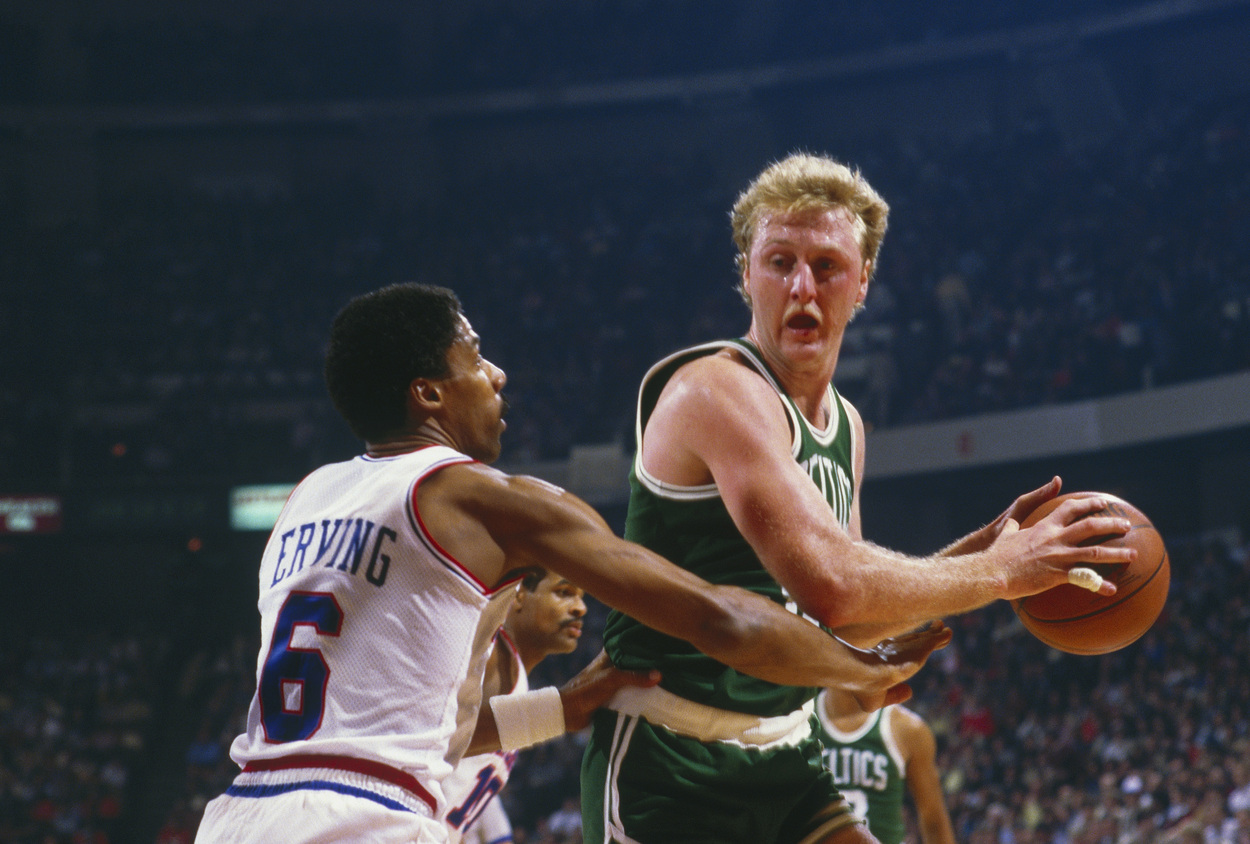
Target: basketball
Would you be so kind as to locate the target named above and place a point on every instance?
(1077, 621)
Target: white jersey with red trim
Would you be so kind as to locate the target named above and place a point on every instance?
(373, 639)
(476, 780)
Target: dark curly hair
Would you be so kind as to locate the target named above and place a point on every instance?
(379, 343)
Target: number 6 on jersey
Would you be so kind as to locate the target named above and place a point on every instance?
(293, 681)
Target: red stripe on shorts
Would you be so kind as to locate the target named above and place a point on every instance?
(368, 767)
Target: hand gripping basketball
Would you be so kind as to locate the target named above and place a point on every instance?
(1075, 616)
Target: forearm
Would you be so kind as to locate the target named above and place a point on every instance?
(770, 643)
(867, 593)
(867, 635)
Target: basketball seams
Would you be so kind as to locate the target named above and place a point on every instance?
(1023, 604)
(1085, 624)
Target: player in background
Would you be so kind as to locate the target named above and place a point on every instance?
(876, 758)
(748, 471)
(387, 576)
(545, 619)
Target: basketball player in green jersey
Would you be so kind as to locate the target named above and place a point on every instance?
(876, 758)
(748, 472)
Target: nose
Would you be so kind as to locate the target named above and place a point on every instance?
(498, 377)
(803, 283)
(579, 607)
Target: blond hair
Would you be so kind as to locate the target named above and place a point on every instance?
(802, 183)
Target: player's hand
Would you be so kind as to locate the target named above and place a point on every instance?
(898, 658)
(594, 686)
(1019, 510)
(1040, 556)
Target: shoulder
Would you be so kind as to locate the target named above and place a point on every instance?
(485, 492)
(911, 731)
(478, 483)
(852, 416)
(725, 384)
(852, 412)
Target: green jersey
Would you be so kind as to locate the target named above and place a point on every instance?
(692, 527)
(869, 771)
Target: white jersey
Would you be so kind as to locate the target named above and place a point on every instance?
(374, 640)
(475, 782)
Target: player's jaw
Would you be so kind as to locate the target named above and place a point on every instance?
(567, 635)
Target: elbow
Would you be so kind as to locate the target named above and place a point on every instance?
(835, 604)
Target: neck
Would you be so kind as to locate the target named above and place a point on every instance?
(806, 383)
(406, 442)
(844, 712)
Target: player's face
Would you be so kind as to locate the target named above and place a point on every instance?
(805, 275)
(473, 393)
(549, 619)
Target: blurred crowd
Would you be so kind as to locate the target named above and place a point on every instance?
(183, 334)
(380, 51)
(1148, 744)
(77, 717)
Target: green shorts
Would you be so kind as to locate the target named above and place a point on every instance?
(643, 784)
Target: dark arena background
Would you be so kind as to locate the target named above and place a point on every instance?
(190, 191)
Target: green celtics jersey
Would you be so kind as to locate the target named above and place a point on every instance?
(868, 770)
(692, 527)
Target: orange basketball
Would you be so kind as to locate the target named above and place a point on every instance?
(1077, 621)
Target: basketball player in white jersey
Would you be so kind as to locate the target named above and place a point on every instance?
(386, 577)
(546, 618)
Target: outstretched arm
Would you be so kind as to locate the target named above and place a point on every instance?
(499, 523)
(717, 421)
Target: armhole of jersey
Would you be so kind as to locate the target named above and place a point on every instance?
(850, 431)
(651, 483)
(891, 743)
(520, 682)
(431, 544)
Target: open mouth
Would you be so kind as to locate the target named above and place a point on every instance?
(802, 322)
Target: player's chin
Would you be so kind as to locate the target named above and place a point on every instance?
(491, 449)
(804, 345)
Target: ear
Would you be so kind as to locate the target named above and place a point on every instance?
(518, 602)
(864, 277)
(425, 396)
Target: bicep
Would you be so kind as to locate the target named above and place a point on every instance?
(741, 433)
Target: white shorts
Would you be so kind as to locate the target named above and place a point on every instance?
(491, 827)
(317, 806)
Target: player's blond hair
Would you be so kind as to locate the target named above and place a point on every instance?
(802, 183)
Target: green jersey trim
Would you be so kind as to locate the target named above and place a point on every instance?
(798, 422)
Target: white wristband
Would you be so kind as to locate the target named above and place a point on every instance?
(528, 718)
